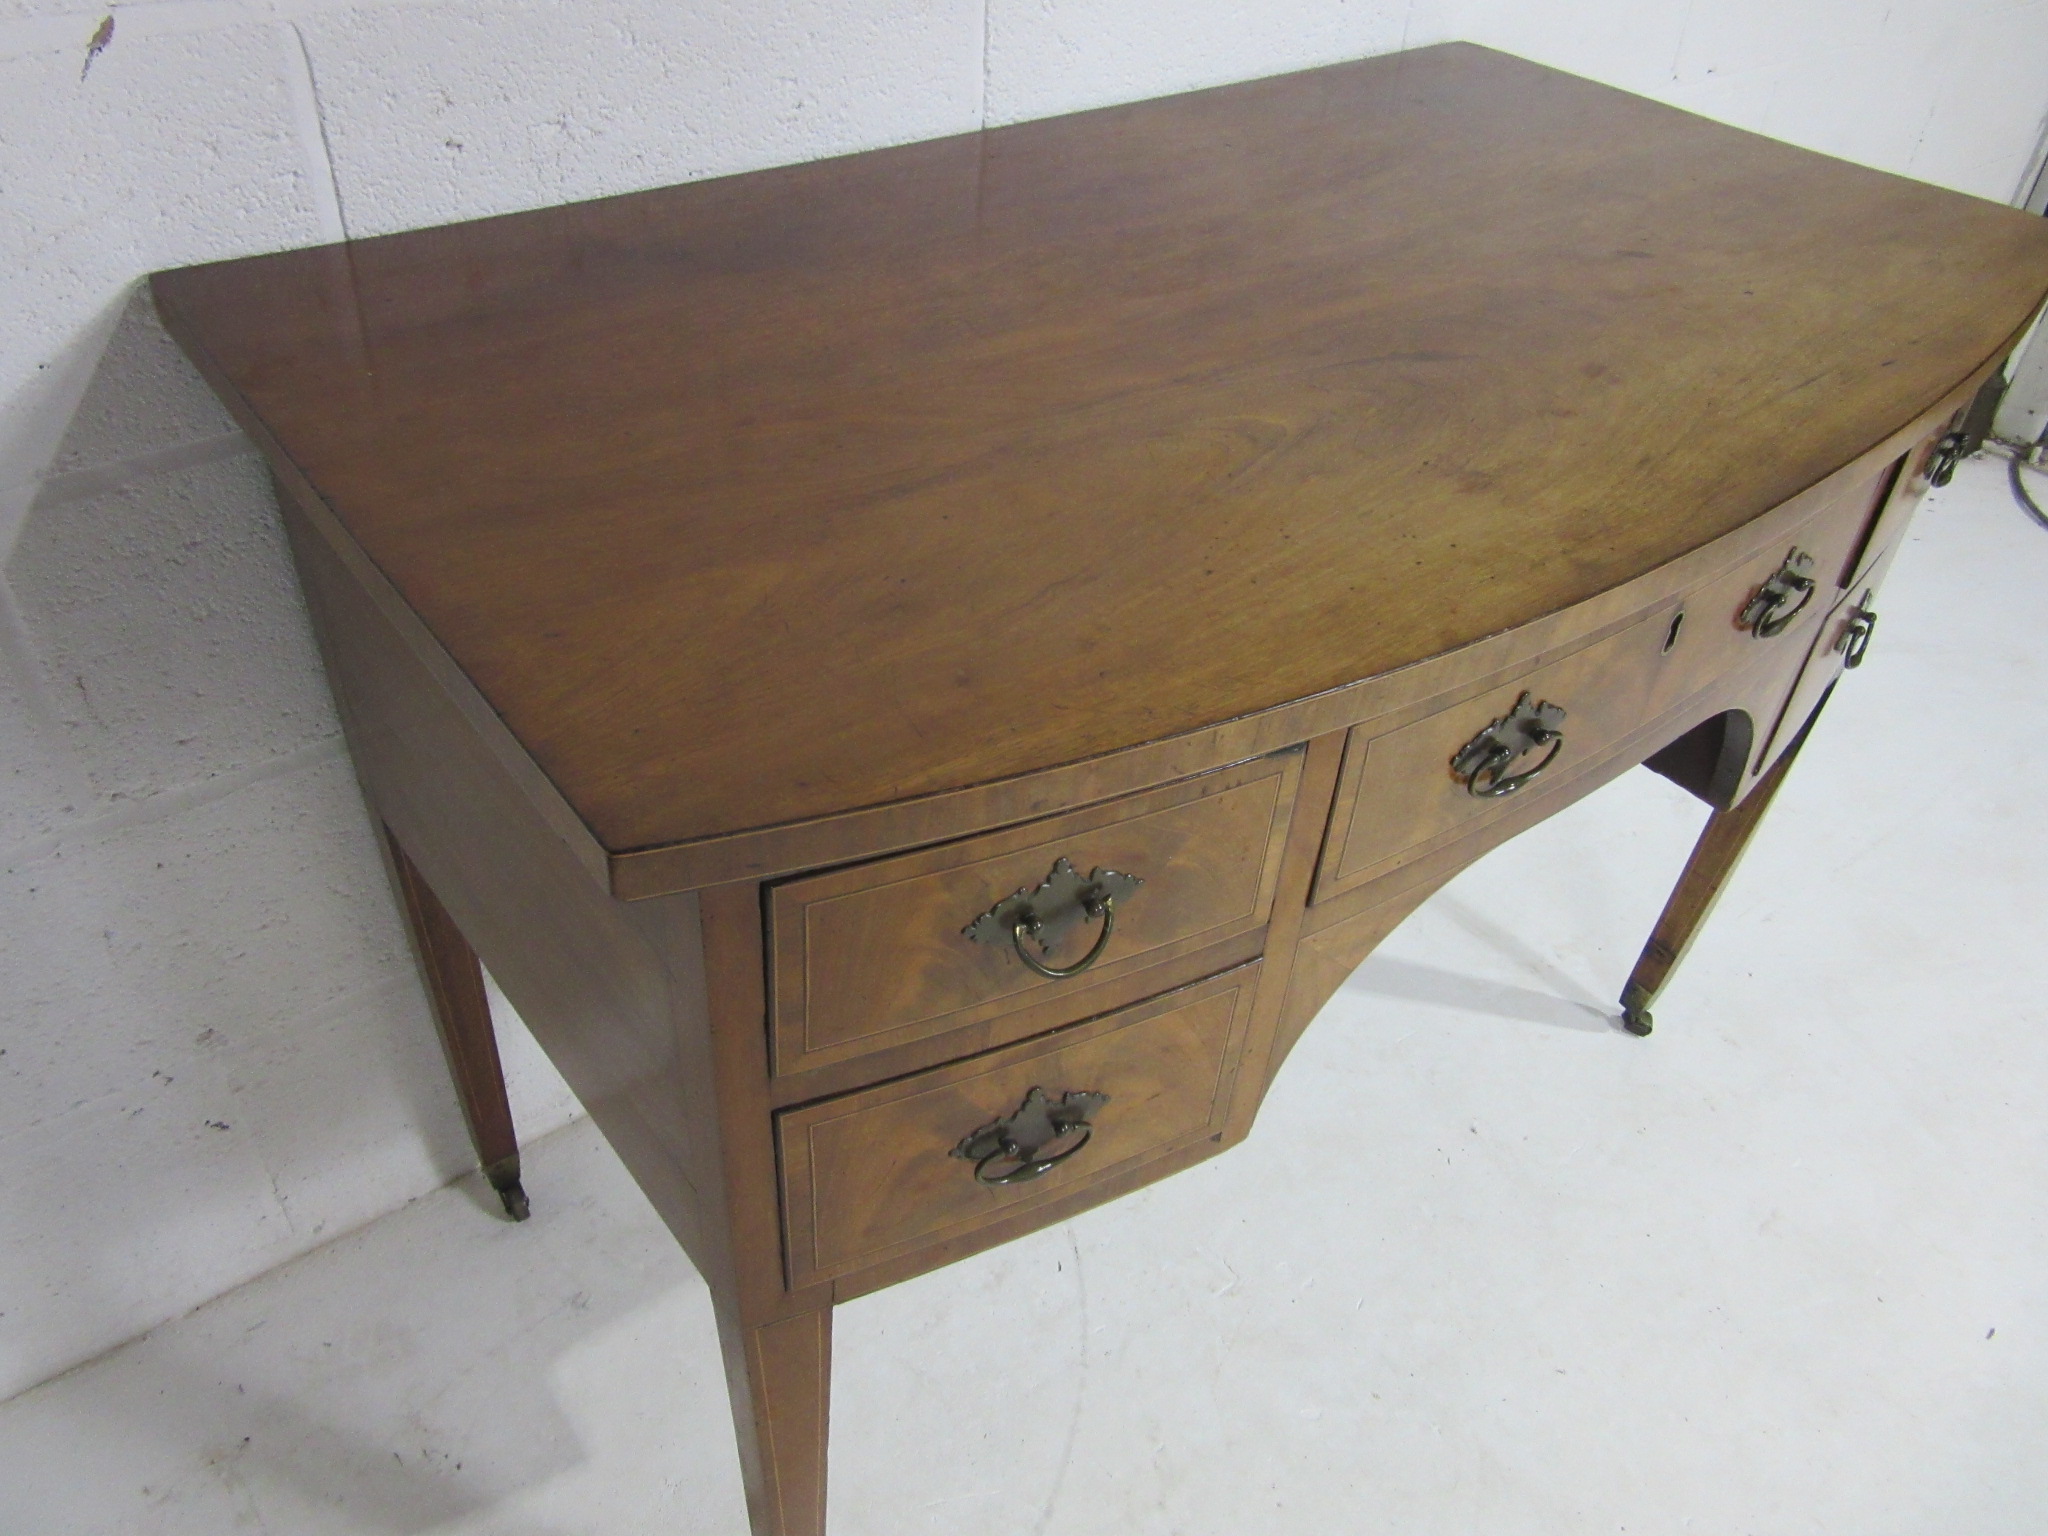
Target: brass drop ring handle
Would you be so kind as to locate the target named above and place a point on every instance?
(1855, 640)
(1044, 913)
(1765, 615)
(1484, 760)
(1103, 907)
(1948, 453)
(1488, 782)
(1022, 1136)
(1033, 1168)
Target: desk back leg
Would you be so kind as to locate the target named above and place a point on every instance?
(462, 1015)
(1713, 860)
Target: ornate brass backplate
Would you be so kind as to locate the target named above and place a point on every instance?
(1018, 1138)
(1045, 914)
(1483, 762)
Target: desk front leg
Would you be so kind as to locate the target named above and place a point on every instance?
(777, 1342)
(779, 1377)
(1713, 860)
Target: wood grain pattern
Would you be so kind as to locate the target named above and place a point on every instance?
(731, 590)
(870, 1176)
(874, 956)
(1406, 693)
(788, 1368)
(1320, 346)
(613, 1010)
(1305, 837)
(1325, 959)
(641, 1006)
(1713, 641)
(1397, 796)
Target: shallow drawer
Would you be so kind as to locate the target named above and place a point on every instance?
(877, 955)
(1401, 791)
(1731, 621)
(885, 1171)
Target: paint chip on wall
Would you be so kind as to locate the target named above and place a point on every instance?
(98, 45)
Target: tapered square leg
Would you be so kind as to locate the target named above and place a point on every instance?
(462, 1016)
(1713, 860)
(779, 1375)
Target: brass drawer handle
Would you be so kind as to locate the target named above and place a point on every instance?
(1483, 762)
(1062, 900)
(1021, 1137)
(1948, 453)
(1855, 638)
(1765, 615)
(1104, 907)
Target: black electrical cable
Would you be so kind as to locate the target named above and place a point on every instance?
(2014, 463)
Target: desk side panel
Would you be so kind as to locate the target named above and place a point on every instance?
(616, 995)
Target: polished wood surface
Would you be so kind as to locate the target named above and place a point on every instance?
(873, 1174)
(731, 591)
(1318, 349)
(871, 956)
(1715, 641)
(1398, 796)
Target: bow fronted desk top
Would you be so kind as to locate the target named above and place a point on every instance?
(741, 597)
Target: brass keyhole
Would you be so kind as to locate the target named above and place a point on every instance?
(1671, 634)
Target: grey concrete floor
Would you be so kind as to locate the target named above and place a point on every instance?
(1487, 1264)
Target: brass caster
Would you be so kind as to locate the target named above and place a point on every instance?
(1635, 1009)
(504, 1178)
(515, 1201)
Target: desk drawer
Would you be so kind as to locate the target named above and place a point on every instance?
(1399, 793)
(882, 1172)
(1840, 640)
(1731, 622)
(876, 956)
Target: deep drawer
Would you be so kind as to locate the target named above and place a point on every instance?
(877, 955)
(878, 1173)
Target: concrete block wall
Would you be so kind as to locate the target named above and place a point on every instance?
(213, 1052)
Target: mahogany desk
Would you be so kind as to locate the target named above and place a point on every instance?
(920, 673)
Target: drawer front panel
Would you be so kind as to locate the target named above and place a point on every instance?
(1714, 640)
(873, 1175)
(1823, 666)
(1399, 795)
(1907, 489)
(1850, 606)
(1837, 637)
(876, 956)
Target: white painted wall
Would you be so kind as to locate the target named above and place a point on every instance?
(213, 1054)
